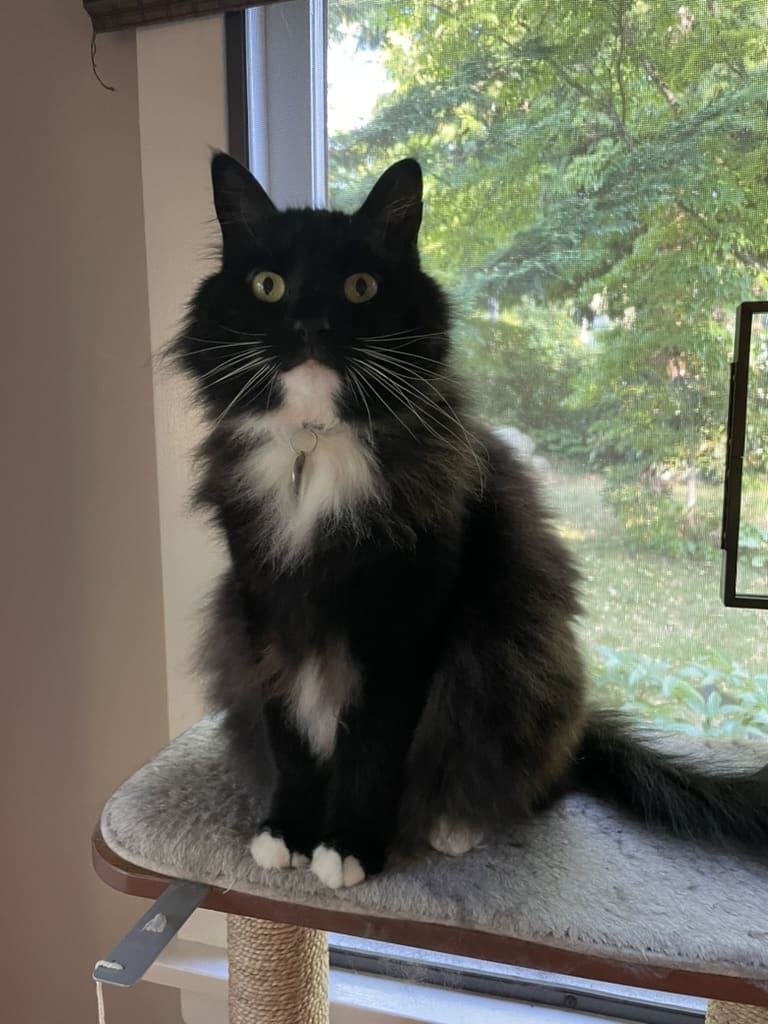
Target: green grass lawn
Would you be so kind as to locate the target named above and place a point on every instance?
(645, 602)
(642, 605)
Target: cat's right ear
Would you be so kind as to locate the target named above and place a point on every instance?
(393, 206)
(242, 205)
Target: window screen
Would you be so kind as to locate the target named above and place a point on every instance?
(596, 206)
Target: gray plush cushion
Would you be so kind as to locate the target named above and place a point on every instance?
(579, 877)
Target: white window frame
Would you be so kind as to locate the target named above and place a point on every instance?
(287, 130)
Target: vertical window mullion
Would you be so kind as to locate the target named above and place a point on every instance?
(286, 98)
(235, 41)
(256, 89)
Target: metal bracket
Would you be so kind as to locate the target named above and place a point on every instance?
(132, 957)
(736, 435)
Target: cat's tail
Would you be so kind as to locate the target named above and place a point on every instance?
(691, 798)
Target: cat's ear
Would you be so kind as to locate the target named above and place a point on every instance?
(242, 205)
(393, 205)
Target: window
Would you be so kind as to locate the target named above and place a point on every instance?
(613, 1004)
(595, 208)
(744, 581)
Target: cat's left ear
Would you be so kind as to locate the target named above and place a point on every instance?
(242, 205)
(394, 205)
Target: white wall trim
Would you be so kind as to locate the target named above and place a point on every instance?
(182, 117)
(287, 102)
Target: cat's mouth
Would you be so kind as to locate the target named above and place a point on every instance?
(310, 357)
(310, 367)
(309, 392)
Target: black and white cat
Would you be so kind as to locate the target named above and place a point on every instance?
(398, 612)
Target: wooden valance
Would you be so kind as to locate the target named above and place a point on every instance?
(109, 15)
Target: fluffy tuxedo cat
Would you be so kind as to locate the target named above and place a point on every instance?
(397, 617)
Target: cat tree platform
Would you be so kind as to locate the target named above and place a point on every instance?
(580, 890)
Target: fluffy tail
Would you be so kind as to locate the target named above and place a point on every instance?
(677, 793)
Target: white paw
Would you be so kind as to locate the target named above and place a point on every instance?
(270, 851)
(352, 872)
(335, 872)
(299, 860)
(453, 837)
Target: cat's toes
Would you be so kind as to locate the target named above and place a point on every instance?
(453, 837)
(271, 852)
(335, 871)
(352, 872)
(299, 860)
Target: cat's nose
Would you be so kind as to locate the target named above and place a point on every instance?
(311, 330)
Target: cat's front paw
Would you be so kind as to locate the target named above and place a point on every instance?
(334, 869)
(270, 851)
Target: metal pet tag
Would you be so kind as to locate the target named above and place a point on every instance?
(296, 472)
(303, 443)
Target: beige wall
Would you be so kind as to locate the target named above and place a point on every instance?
(83, 687)
(182, 116)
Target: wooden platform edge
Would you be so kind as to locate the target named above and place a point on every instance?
(132, 880)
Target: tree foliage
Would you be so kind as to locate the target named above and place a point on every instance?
(600, 160)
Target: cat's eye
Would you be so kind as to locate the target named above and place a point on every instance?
(360, 288)
(268, 286)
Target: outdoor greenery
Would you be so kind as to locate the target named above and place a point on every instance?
(659, 641)
(596, 206)
(590, 165)
(716, 700)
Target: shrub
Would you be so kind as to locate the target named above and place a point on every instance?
(652, 518)
(715, 698)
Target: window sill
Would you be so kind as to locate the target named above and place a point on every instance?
(200, 972)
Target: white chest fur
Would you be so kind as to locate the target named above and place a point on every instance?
(338, 475)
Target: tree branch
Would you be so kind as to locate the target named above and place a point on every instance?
(660, 84)
(604, 102)
(746, 257)
(621, 26)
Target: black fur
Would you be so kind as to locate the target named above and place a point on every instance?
(717, 805)
(439, 606)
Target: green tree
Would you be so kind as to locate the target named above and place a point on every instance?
(604, 160)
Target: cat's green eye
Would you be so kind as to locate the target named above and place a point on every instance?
(268, 286)
(360, 288)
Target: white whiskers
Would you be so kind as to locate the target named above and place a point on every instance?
(415, 388)
(265, 376)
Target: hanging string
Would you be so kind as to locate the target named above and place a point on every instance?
(112, 965)
(100, 1002)
(99, 79)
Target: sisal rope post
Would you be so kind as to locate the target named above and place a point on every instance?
(735, 1013)
(278, 973)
